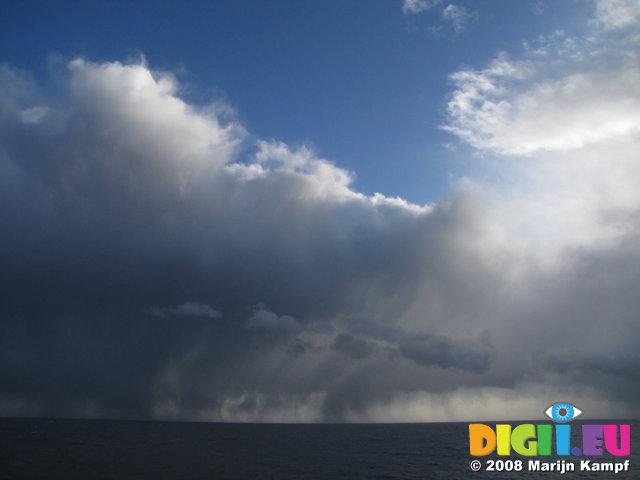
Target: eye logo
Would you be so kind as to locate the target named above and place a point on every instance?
(562, 412)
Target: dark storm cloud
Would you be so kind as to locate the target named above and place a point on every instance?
(352, 346)
(141, 236)
(438, 351)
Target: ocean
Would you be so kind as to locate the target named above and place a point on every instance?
(54, 449)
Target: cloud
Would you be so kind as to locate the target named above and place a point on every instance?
(558, 121)
(188, 309)
(424, 348)
(617, 14)
(567, 106)
(417, 6)
(265, 320)
(458, 16)
(352, 346)
(119, 201)
(564, 93)
(432, 350)
(33, 114)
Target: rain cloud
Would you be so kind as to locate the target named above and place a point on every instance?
(160, 262)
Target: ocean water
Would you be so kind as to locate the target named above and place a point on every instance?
(103, 449)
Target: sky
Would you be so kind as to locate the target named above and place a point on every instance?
(364, 211)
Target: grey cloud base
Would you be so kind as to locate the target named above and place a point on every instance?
(156, 264)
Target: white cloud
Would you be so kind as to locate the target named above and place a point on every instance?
(459, 17)
(417, 6)
(146, 108)
(560, 96)
(616, 14)
(456, 14)
(321, 177)
(569, 108)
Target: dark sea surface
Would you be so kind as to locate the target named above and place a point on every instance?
(105, 449)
